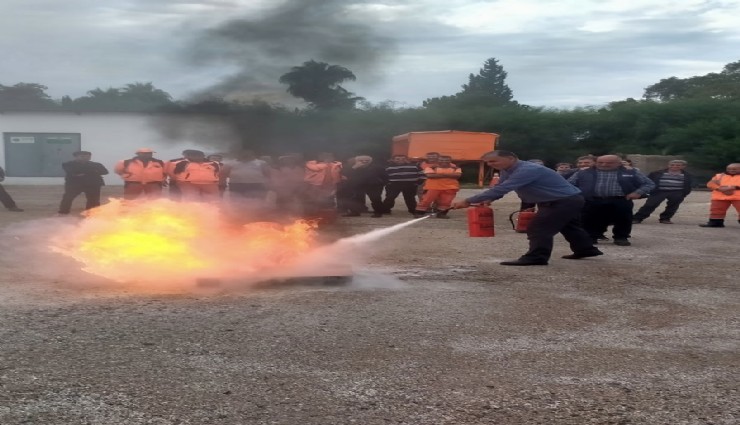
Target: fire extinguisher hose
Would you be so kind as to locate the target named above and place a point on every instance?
(511, 219)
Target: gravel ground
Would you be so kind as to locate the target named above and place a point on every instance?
(431, 331)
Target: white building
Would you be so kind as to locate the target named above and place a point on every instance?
(35, 144)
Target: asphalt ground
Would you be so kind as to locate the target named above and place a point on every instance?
(430, 331)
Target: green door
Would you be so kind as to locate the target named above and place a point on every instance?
(38, 154)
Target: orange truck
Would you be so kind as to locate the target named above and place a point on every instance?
(462, 146)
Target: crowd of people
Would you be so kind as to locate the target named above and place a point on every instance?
(324, 186)
(581, 204)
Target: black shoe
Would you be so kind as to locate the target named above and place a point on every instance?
(442, 215)
(419, 214)
(585, 254)
(376, 215)
(622, 242)
(714, 222)
(665, 221)
(636, 221)
(15, 209)
(524, 262)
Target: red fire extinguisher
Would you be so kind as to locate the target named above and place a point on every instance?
(523, 219)
(480, 221)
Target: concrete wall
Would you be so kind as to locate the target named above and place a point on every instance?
(115, 136)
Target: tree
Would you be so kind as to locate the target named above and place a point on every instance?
(487, 88)
(318, 84)
(135, 97)
(146, 93)
(723, 85)
(25, 96)
(489, 85)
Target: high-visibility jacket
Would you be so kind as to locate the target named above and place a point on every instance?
(723, 179)
(322, 173)
(206, 172)
(134, 170)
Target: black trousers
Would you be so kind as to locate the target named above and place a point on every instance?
(92, 195)
(393, 189)
(560, 216)
(353, 198)
(674, 198)
(5, 198)
(599, 213)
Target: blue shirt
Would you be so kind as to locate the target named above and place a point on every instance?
(532, 182)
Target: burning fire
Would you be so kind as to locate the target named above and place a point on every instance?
(162, 243)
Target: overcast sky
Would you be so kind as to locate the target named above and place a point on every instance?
(559, 53)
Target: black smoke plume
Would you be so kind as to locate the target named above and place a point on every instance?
(266, 44)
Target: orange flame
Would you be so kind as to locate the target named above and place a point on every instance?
(162, 242)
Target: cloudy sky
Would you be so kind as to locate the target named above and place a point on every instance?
(559, 53)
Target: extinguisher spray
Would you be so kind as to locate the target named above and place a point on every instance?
(524, 217)
(480, 221)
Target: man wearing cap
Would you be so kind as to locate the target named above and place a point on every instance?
(142, 174)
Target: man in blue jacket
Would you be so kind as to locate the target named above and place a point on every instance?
(559, 207)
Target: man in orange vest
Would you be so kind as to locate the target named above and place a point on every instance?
(441, 187)
(142, 174)
(197, 177)
(725, 192)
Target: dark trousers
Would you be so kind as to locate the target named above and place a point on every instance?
(526, 206)
(599, 213)
(393, 189)
(674, 197)
(561, 216)
(354, 199)
(92, 195)
(5, 198)
(249, 190)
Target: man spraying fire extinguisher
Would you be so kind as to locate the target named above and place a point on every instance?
(559, 207)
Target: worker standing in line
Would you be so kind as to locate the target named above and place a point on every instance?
(441, 187)
(170, 182)
(83, 176)
(321, 178)
(222, 181)
(197, 177)
(5, 197)
(142, 174)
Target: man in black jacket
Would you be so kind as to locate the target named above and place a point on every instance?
(83, 176)
(672, 184)
(362, 179)
(609, 189)
(5, 198)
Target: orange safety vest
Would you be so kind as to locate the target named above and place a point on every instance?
(323, 174)
(723, 179)
(444, 183)
(134, 170)
(206, 172)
